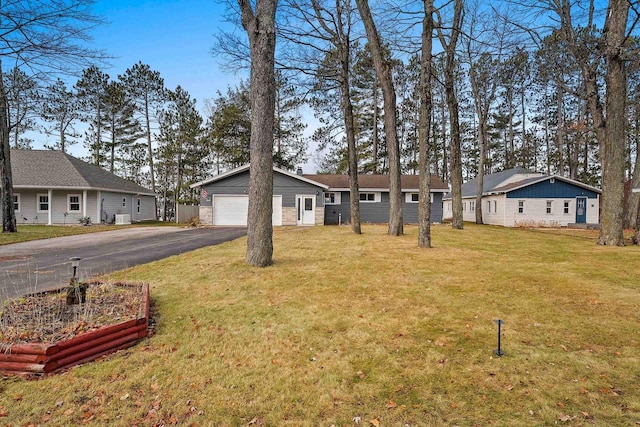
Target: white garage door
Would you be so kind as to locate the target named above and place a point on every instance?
(233, 210)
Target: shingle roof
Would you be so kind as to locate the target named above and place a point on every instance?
(490, 181)
(55, 169)
(408, 182)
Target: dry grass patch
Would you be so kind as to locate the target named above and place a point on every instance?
(370, 326)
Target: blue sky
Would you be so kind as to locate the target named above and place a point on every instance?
(173, 37)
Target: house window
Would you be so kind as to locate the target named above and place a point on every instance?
(73, 203)
(495, 206)
(489, 206)
(521, 206)
(549, 207)
(472, 206)
(411, 197)
(138, 205)
(43, 202)
(332, 198)
(369, 197)
(16, 202)
(566, 207)
(124, 202)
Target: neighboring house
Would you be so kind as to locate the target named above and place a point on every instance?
(51, 187)
(309, 199)
(374, 198)
(518, 197)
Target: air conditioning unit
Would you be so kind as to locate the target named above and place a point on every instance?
(123, 219)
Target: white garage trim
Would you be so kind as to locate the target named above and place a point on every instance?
(231, 209)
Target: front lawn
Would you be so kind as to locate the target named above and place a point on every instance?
(370, 330)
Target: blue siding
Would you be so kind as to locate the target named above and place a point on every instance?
(379, 212)
(547, 190)
(283, 185)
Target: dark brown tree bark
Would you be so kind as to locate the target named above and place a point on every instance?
(613, 152)
(609, 122)
(260, 27)
(6, 184)
(455, 157)
(426, 107)
(383, 71)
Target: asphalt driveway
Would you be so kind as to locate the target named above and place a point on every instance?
(44, 264)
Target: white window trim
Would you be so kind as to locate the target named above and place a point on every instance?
(138, 204)
(495, 207)
(548, 207)
(38, 202)
(124, 202)
(566, 205)
(376, 197)
(523, 207)
(337, 198)
(17, 196)
(79, 196)
(408, 197)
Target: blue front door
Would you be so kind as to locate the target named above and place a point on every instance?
(581, 210)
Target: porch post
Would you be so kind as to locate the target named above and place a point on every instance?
(84, 203)
(50, 212)
(98, 210)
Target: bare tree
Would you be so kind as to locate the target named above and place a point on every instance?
(326, 32)
(455, 157)
(426, 106)
(41, 36)
(482, 55)
(383, 71)
(260, 28)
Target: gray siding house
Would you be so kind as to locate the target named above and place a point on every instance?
(51, 187)
(296, 199)
(310, 199)
(374, 198)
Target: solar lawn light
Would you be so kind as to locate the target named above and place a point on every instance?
(498, 351)
(75, 263)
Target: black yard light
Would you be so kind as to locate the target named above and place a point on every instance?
(498, 351)
(76, 292)
(75, 263)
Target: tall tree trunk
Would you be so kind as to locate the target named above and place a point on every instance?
(560, 130)
(612, 156)
(152, 174)
(634, 198)
(375, 127)
(383, 71)
(347, 110)
(6, 184)
(260, 28)
(426, 108)
(455, 158)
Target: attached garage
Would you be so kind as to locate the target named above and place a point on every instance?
(232, 210)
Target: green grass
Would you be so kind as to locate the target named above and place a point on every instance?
(370, 326)
(37, 232)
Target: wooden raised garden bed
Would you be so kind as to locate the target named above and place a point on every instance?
(41, 358)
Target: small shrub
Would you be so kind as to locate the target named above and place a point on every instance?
(85, 220)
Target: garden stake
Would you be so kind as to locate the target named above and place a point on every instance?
(498, 352)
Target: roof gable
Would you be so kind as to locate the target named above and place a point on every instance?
(55, 169)
(245, 168)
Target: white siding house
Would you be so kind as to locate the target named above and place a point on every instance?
(51, 187)
(517, 197)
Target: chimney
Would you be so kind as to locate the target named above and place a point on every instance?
(299, 171)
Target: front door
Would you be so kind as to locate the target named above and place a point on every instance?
(306, 210)
(581, 210)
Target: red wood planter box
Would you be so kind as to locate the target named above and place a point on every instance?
(41, 358)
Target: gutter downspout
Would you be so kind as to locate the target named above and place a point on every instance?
(50, 213)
